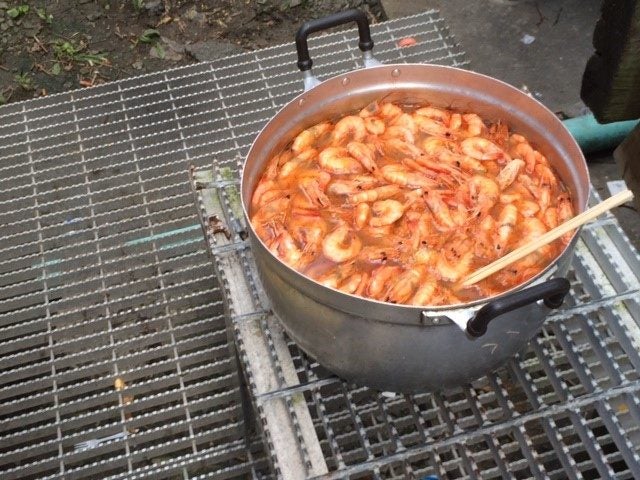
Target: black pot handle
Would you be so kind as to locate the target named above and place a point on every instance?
(340, 18)
(552, 292)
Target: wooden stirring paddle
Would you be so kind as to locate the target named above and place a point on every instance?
(550, 236)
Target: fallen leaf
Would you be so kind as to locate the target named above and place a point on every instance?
(407, 42)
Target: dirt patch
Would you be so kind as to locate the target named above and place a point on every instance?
(55, 46)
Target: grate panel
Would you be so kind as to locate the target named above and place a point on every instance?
(565, 408)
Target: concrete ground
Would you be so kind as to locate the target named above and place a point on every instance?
(542, 46)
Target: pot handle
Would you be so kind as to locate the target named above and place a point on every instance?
(340, 18)
(552, 292)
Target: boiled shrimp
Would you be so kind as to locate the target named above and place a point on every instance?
(374, 125)
(507, 220)
(483, 192)
(435, 114)
(307, 138)
(385, 212)
(349, 128)
(364, 155)
(431, 126)
(425, 293)
(341, 244)
(381, 280)
(401, 175)
(361, 215)
(400, 133)
(377, 193)
(289, 167)
(405, 286)
(473, 125)
(338, 161)
(482, 149)
(524, 151)
(509, 173)
(356, 184)
(440, 210)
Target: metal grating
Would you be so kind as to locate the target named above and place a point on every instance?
(115, 358)
(104, 276)
(566, 408)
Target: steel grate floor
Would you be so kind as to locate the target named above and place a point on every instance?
(113, 320)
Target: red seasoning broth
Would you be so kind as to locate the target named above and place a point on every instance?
(400, 203)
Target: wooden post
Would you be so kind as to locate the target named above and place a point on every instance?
(611, 81)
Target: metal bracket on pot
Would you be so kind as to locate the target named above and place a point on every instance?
(458, 316)
(365, 44)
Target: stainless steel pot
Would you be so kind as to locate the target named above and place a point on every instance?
(404, 348)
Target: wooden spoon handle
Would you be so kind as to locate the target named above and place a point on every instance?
(550, 236)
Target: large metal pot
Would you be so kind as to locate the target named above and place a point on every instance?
(396, 347)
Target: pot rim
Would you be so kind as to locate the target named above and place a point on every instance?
(475, 304)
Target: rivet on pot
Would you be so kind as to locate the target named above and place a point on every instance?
(345, 81)
(395, 72)
(436, 320)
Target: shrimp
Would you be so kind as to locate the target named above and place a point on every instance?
(484, 247)
(424, 256)
(405, 121)
(264, 192)
(401, 133)
(431, 127)
(565, 212)
(354, 185)
(377, 255)
(454, 264)
(466, 162)
(524, 151)
(286, 249)
(390, 111)
(395, 146)
(483, 149)
(271, 172)
(338, 161)
(425, 293)
(542, 193)
(434, 113)
(440, 210)
(349, 128)
(274, 210)
(484, 193)
(370, 110)
(405, 286)
(341, 244)
(314, 193)
(378, 193)
(533, 228)
(335, 276)
(306, 139)
(473, 125)
(550, 217)
(374, 125)
(509, 173)
(296, 162)
(307, 227)
(364, 155)
(401, 175)
(354, 282)
(527, 208)
(381, 279)
(507, 220)
(385, 212)
(438, 167)
(361, 215)
(545, 176)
